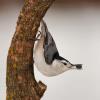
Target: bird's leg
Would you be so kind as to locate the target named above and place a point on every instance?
(37, 37)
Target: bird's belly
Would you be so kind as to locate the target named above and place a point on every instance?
(40, 62)
(45, 69)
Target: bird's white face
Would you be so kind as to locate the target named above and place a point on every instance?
(64, 62)
(67, 64)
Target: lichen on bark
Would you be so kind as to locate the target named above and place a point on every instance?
(20, 79)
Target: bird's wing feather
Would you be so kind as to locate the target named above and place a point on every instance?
(50, 49)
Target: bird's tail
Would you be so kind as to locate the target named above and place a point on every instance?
(44, 27)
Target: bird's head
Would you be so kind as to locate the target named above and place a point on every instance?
(71, 66)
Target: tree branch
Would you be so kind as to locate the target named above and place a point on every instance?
(20, 79)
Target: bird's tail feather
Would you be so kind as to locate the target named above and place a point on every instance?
(44, 27)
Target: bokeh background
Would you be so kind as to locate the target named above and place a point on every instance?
(75, 26)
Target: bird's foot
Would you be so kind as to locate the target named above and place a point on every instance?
(38, 36)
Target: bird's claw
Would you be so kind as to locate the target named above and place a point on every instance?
(37, 37)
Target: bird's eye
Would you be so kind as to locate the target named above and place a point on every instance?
(65, 63)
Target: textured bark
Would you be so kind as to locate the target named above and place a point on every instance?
(20, 79)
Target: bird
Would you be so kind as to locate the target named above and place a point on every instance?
(46, 56)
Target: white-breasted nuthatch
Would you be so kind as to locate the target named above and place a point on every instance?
(46, 56)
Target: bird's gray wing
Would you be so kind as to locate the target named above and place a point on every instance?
(50, 49)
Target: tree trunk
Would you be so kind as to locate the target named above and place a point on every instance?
(20, 79)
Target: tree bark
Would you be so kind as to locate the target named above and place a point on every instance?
(20, 79)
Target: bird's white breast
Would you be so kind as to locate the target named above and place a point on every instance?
(48, 70)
